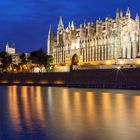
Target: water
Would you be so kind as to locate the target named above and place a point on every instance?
(55, 113)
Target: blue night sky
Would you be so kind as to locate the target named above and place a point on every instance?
(26, 22)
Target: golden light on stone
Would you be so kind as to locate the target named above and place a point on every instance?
(121, 62)
(138, 62)
(108, 62)
(93, 63)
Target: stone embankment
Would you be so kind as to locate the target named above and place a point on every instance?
(97, 78)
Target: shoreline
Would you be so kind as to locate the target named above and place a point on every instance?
(101, 78)
(72, 86)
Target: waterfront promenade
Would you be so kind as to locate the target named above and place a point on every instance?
(101, 78)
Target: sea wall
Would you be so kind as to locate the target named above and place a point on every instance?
(97, 78)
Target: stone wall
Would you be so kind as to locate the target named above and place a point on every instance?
(103, 78)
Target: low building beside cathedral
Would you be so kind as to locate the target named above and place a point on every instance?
(107, 42)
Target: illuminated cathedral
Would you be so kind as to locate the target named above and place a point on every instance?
(103, 42)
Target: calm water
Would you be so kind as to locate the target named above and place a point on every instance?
(53, 113)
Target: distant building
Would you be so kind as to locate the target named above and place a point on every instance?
(104, 42)
(10, 50)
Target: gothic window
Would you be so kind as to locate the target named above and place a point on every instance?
(86, 53)
(64, 57)
(80, 51)
(91, 54)
(83, 55)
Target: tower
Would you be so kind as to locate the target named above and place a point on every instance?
(50, 39)
(60, 31)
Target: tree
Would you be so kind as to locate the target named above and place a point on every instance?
(23, 58)
(40, 57)
(49, 62)
(5, 60)
(15, 68)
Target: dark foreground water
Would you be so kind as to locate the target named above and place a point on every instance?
(53, 113)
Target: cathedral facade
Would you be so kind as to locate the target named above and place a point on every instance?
(101, 42)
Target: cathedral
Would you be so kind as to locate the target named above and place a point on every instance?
(103, 42)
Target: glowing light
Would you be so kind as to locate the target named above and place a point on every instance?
(138, 62)
(118, 67)
(59, 82)
(24, 66)
(93, 63)
(108, 62)
(15, 70)
(16, 82)
(29, 82)
(43, 82)
(121, 62)
(4, 81)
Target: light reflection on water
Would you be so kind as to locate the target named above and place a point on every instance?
(62, 113)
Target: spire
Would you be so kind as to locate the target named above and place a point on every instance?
(137, 17)
(128, 13)
(50, 29)
(50, 34)
(7, 46)
(137, 20)
(60, 21)
(49, 42)
(121, 13)
(85, 23)
(72, 25)
(60, 25)
(117, 13)
(69, 25)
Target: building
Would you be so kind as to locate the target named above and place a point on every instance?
(108, 42)
(15, 56)
(10, 50)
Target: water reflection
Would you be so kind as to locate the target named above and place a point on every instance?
(39, 104)
(25, 105)
(90, 107)
(63, 113)
(136, 111)
(106, 108)
(13, 107)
